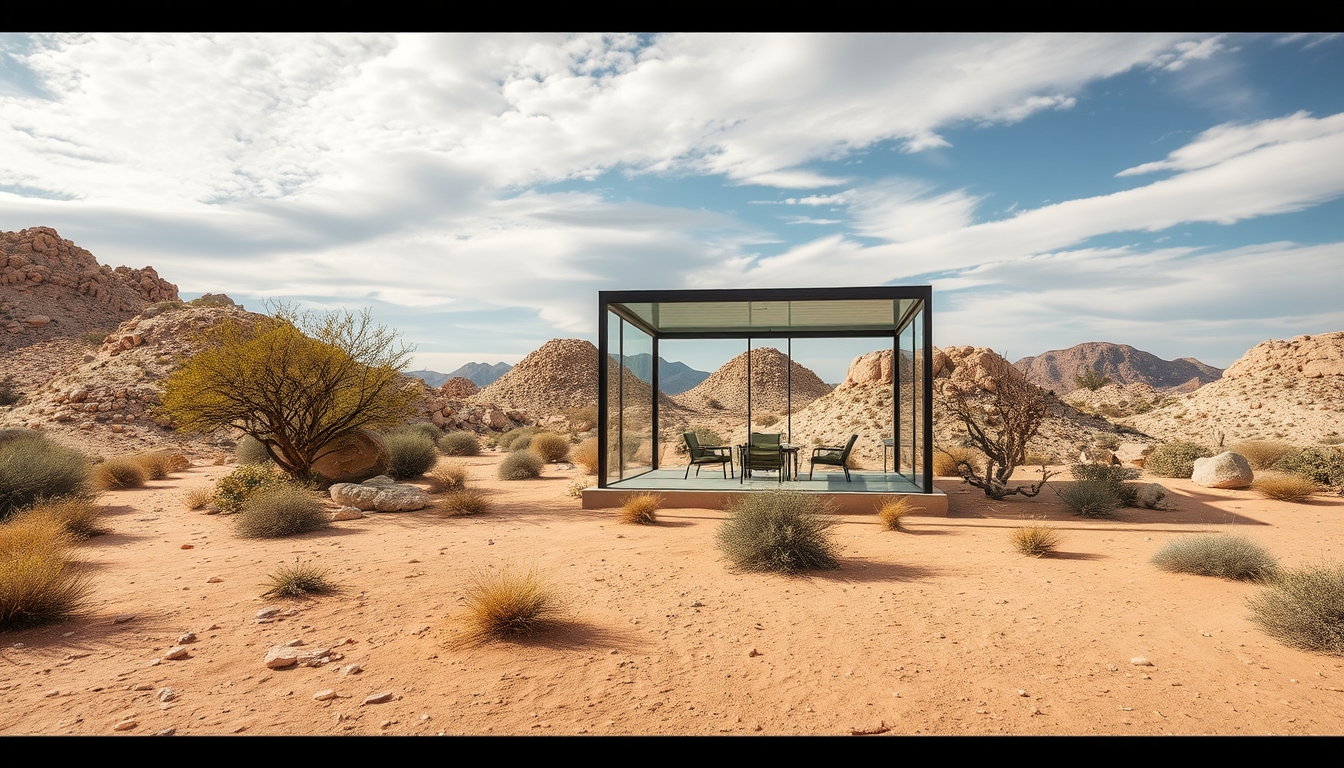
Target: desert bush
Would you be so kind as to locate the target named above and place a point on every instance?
(1262, 454)
(576, 488)
(714, 403)
(1304, 608)
(94, 338)
(1320, 465)
(299, 580)
(1175, 459)
(551, 447)
(410, 454)
(641, 509)
(1031, 459)
(198, 496)
(250, 450)
(425, 428)
(767, 420)
(583, 419)
(9, 393)
(1113, 475)
(946, 460)
(1222, 555)
(38, 581)
(510, 604)
(450, 476)
(459, 444)
(33, 468)
(1284, 487)
(278, 510)
(515, 439)
(1091, 380)
(585, 455)
(77, 514)
(783, 531)
(521, 465)
(1090, 498)
(239, 485)
(117, 473)
(463, 502)
(892, 512)
(1108, 440)
(156, 464)
(1035, 540)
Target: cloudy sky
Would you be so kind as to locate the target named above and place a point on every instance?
(1179, 193)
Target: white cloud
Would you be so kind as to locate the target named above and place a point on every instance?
(1226, 141)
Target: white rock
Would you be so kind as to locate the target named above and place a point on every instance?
(400, 498)
(186, 637)
(325, 695)
(125, 725)
(1140, 661)
(379, 698)
(280, 657)
(346, 513)
(267, 612)
(1226, 470)
(167, 694)
(175, 653)
(352, 669)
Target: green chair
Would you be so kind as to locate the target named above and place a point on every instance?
(707, 454)
(832, 456)
(763, 453)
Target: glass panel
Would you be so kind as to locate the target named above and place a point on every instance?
(743, 316)
(907, 411)
(917, 330)
(613, 436)
(637, 400)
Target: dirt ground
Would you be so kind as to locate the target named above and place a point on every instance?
(943, 629)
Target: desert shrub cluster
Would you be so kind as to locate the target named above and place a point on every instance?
(33, 468)
(156, 464)
(1222, 555)
(78, 515)
(299, 580)
(1035, 540)
(1262, 454)
(250, 450)
(236, 487)
(781, 531)
(510, 604)
(1090, 498)
(118, 473)
(1323, 465)
(1114, 476)
(641, 509)
(515, 439)
(410, 453)
(39, 580)
(550, 446)
(1284, 487)
(462, 502)
(459, 444)
(522, 464)
(946, 461)
(585, 455)
(450, 476)
(279, 510)
(9, 392)
(1175, 459)
(1304, 608)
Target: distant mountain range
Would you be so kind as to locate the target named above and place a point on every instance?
(480, 374)
(673, 377)
(1122, 363)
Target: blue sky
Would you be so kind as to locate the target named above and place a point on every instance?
(1179, 193)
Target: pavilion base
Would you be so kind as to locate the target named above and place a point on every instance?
(860, 496)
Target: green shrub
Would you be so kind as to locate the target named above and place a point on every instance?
(459, 444)
(521, 465)
(237, 486)
(410, 454)
(118, 473)
(1108, 440)
(1090, 498)
(38, 580)
(282, 509)
(1221, 555)
(427, 429)
(1304, 608)
(94, 338)
(1319, 465)
(782, 531)
(515, 439)
(250, 450)
(551, 447)
(1262, 454)
(299, 580)
(34, 468)
(1113, 475)
(1176, 459)
(1091, 380)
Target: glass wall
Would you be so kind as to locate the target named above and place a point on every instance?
(636, 400)
(905, 348)
(917, 398)
(614, 367)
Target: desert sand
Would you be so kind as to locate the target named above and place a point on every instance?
(940, 630)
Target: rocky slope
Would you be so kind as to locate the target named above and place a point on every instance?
(1055, 370)
(770, 371)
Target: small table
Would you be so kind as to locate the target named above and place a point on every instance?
(790, 454)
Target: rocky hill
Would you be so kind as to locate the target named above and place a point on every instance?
(1279, 390)
(769, 385)
(480, 374)
(1055, 370)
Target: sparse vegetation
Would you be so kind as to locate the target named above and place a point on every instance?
(1175, 459)
(447, 477)
(410, 454)
(1113, 475)
(239, 485)
(9, 393)
(1320, 465)
(1284, 487)
(1035, 540)
(576, 488)
(999, 424)
(425, 428)
(1108, 440)
(516, 439)
(767, 420)
(781, 531)
(118, 473)
(459, 444)
(38, 581)
(463, 502)
(34, 468)
(714, 404)
(1222, 555)
(551, 446)
(1304, 608)
(641, 509)
(250, 450)
(94, 338)
(77, 514)
(299, 580)
(1091, 380)
(198, 496)
(1262, 454)
(582, 419)
(947, 460)
(585, 455)
(1090, 498)
(279, 510)
(156, 464)
(509, 604)
(892, 513)
(523, 464)
(1031, 459)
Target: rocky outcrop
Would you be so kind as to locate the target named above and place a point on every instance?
(352, 458)
(770, 382)
(1226, 470)
(459, 387)
(1123, 364)
(379, 494)
(1306, 357)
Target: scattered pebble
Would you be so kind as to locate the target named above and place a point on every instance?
(175, 653)
(1021, 692)
(188, 546)
(143, 687)
(295, 643)
(213, 580)
(379, 698)
(51, 694)
(167, 694)
(125, 725)
(1140, 661)
(186, 637)
(324, 695)
(123, 618)
(754, 653)
(268, 612)
(166, 732)
(352, 669)
(280, 657)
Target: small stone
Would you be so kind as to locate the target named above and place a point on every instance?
(155, 662)
(167, 694)
(125, 725)
(280, 657)
(754, 653)
(51, 694)
(1021, 692)
(352, 669)
(324, 695)
(379, 698)
(166, 732)
(188, 546)
(295, 643)
(268, 612)
(123, 618)
(143, 687)
(385, 724)
(213, 580)
(175, 653)
(1140, 661)
(346, 513)
(186, 637)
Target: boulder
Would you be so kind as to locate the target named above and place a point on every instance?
(352, 458)
(1094, 455)
(360, 497)
(400, 498)
(1151, 496)
(379, 494)
(1226, 470)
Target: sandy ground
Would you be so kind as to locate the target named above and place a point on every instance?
(942, 629)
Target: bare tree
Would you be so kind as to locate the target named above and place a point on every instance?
(999, 423)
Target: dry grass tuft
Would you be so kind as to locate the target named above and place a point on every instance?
(156, 464)
(1262, 454)
(1284, 487)
(451, 476)
(1305, 608)
(198, 496)
(551, 446)
(38, 581)
(892, 513)
(463, 502)
(641, 509)
(77, 514)
(281, 510)
(1035, 540)
(118, 473)
(510, 604)
(945, 461)
(299, 580)
(1221, 555)
(782, 531)
(585, 455)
